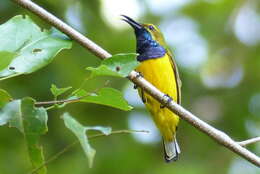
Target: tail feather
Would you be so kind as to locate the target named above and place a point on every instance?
(171, 150)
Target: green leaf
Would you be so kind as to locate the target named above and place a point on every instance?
(35, 125)
(5, 59)
(11, 113)
(25, 48)
(58, 91)
(119, 65)
(32, 122)
(102, 70)
(108, 97)
(80, 132)
(4, 98)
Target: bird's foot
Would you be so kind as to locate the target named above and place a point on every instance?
(169, 99)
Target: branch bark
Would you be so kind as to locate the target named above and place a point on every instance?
(215, 134)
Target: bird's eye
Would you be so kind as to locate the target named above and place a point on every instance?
(151, 27)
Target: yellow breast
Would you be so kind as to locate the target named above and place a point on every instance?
(160, 72)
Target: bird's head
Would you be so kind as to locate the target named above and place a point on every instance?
(147, 35)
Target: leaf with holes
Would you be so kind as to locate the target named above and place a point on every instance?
(80, 132)
(119, 65)
(24, 48)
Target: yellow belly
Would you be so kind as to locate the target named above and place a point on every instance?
(160, 73)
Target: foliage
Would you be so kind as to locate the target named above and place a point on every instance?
(225, 29)
(58, 91)
(119, 65)
(80, 132)
(106, 96)
(31, 122)
(33, 50)
(4, 98)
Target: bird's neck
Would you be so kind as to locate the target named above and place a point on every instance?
(149, 49)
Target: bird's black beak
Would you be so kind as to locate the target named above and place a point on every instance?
(131, 22)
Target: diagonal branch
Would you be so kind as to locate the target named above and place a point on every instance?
(215, 134)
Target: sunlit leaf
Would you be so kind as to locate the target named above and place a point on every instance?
(58, 91)
(24, 48)
(119, 65)
(80, 132)
(108, 97)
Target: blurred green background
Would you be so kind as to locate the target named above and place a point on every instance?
(216, 44)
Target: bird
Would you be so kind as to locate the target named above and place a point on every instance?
(159, 68)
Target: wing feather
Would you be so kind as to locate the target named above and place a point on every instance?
(177, 76)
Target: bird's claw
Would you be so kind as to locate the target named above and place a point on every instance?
(169, 99)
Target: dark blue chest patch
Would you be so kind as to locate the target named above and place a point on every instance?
(151, 53)
(149, 49)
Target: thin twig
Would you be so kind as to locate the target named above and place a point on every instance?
(250, 141)
(59, 101)
(65, 149)
(217, 135)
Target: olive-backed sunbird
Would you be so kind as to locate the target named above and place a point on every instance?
(159, 68)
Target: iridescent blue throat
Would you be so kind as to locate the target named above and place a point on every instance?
(147, 48)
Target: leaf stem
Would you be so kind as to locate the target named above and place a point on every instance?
(65, 149)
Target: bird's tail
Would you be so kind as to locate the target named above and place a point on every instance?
(171, 150)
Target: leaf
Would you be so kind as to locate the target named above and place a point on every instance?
(25, 48)
(35, 125)
(4, 98)
(58, 91)
(108, 97)
(32, 122)
(102, 70)
(80, 132)
(119, 65)
(5, 59)
(11, 113)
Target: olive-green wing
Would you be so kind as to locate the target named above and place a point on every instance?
(176, 72)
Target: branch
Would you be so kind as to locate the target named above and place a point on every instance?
(65, 149)
(215, 134)
(250, 141)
